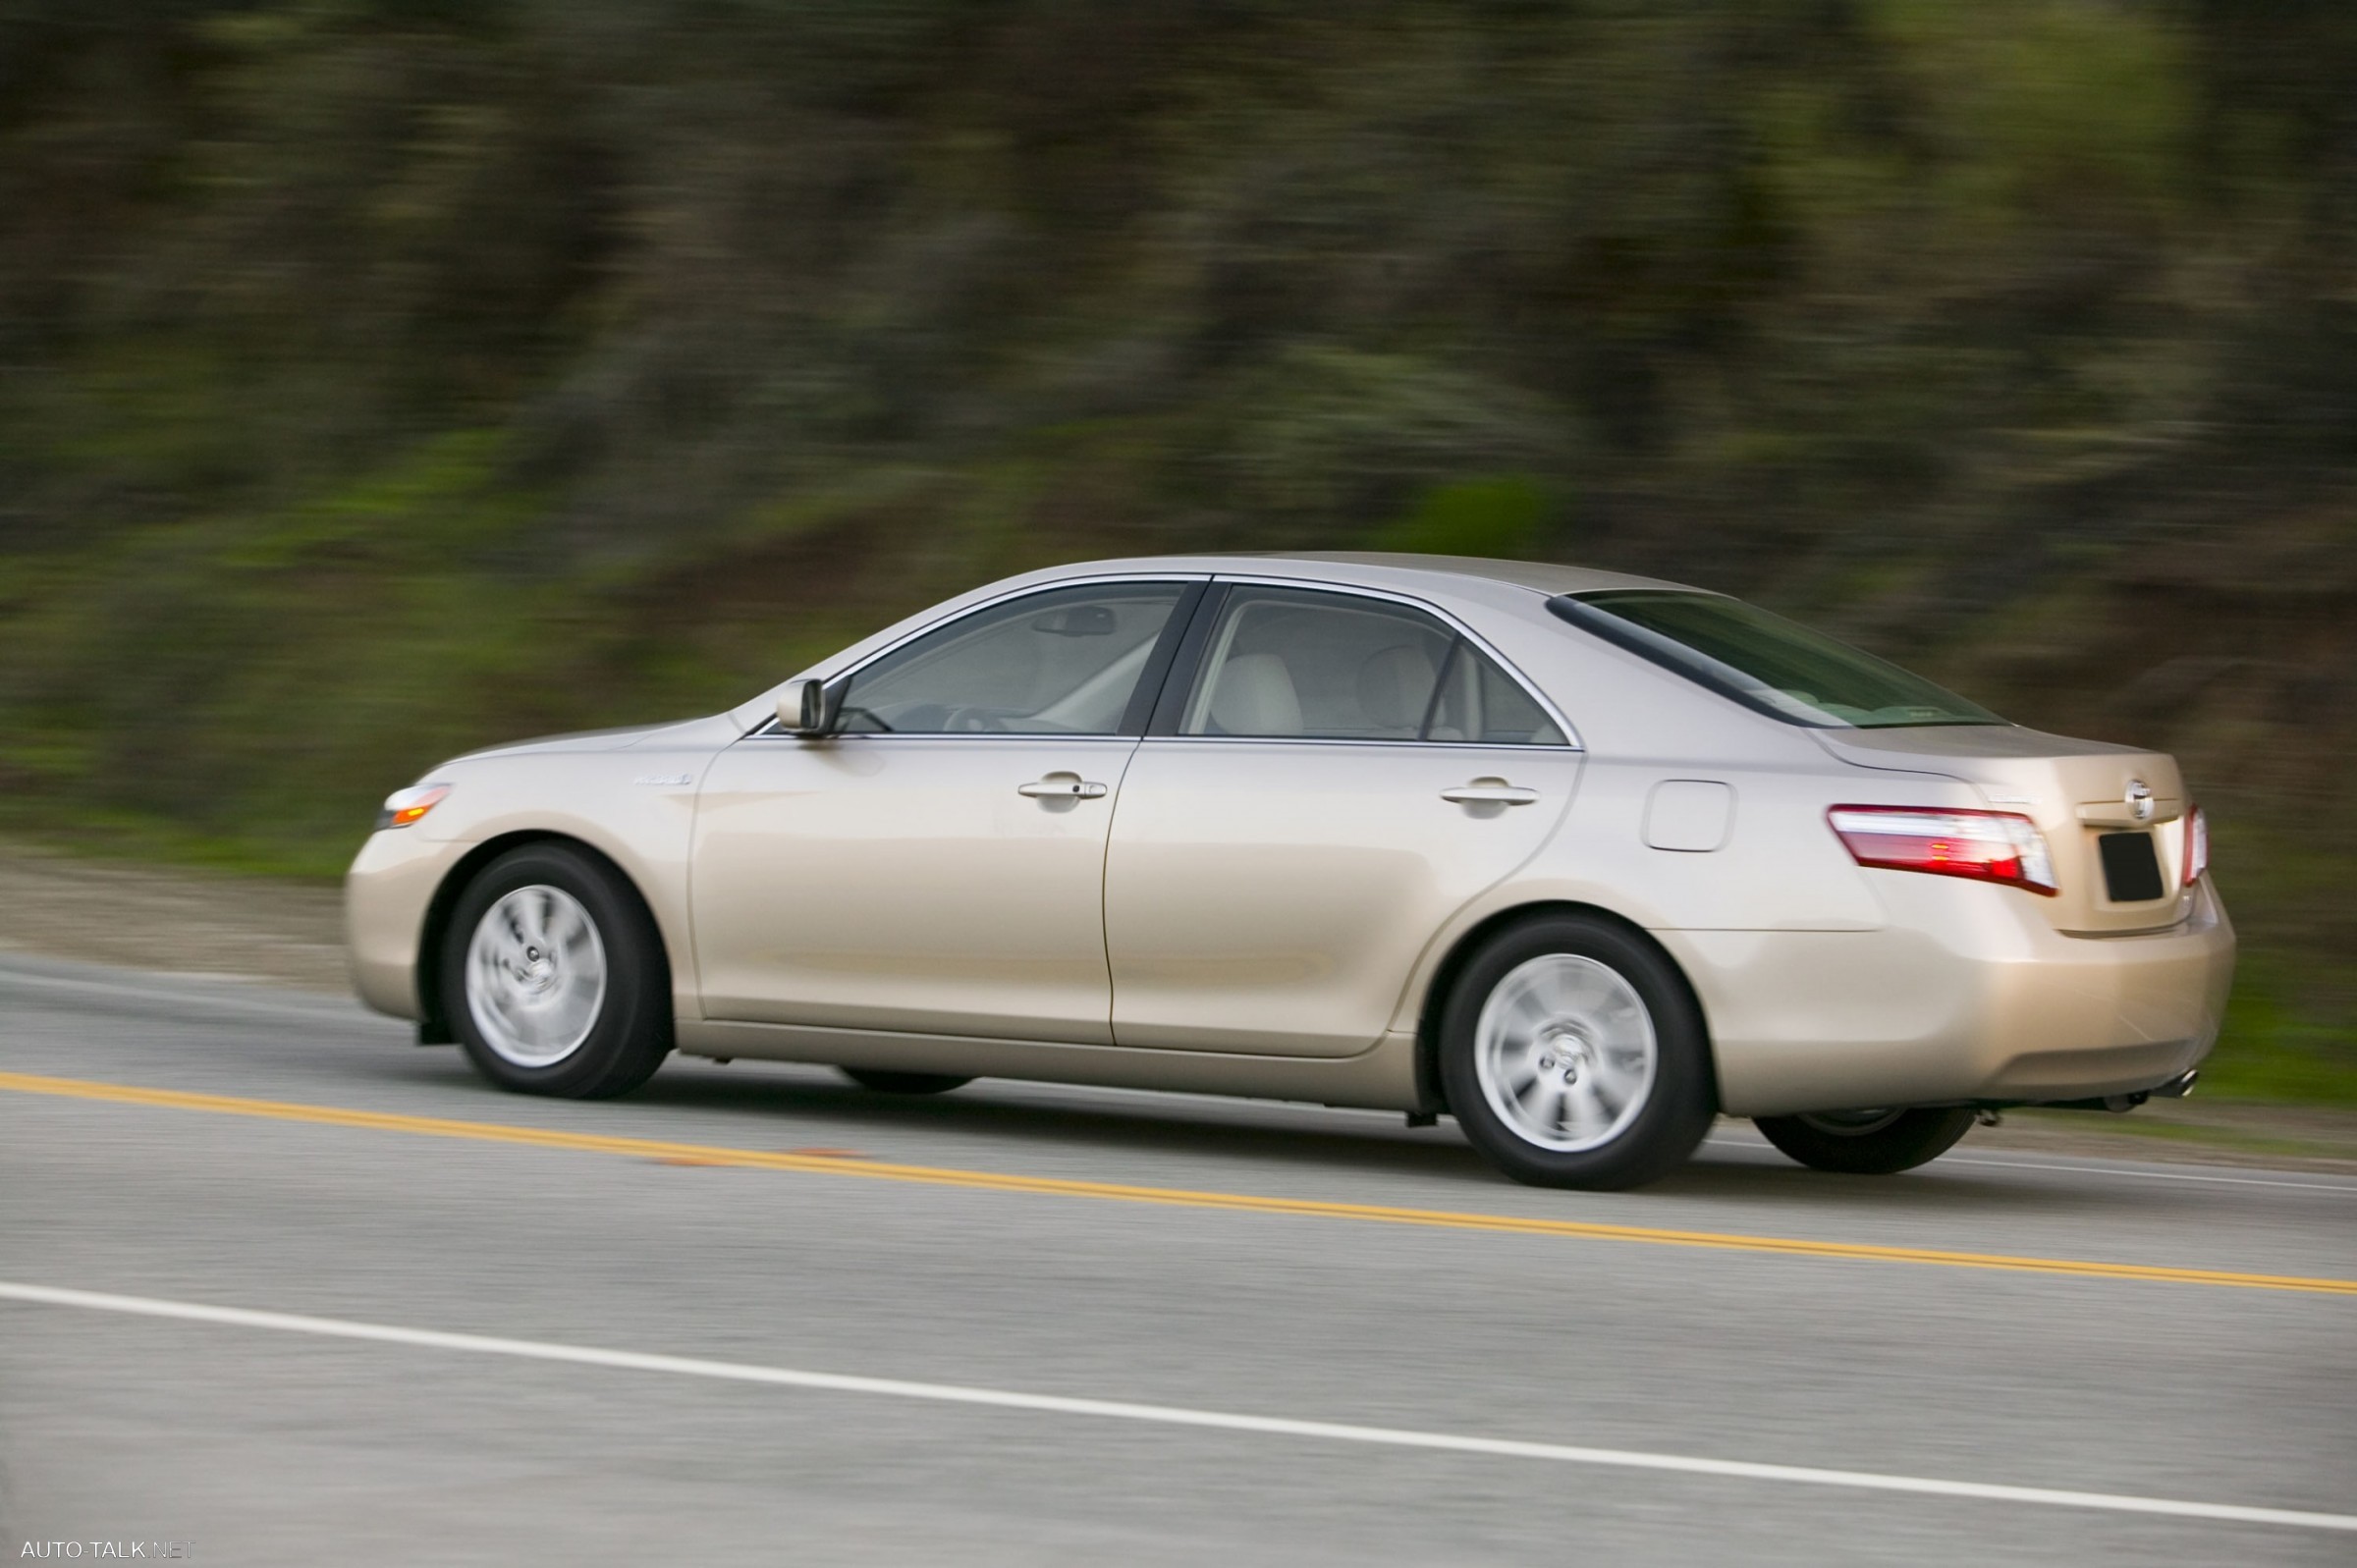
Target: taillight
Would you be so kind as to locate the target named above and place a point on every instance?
(2197, 844)
(2000, 847)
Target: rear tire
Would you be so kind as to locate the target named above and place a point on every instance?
(554, 977)
(1574, 1055)
(1867, 1142)
(886, 1082)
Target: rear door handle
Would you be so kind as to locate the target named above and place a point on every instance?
(1061, 787)
(1488, 793)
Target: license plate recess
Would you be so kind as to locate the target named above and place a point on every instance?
(2131, 868)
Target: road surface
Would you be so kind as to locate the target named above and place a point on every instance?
(277, 1287)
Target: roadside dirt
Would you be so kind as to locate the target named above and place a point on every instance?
(290, 933)
(184, 922)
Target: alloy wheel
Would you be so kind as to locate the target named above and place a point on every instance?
(535, 976)
(1564, 1053)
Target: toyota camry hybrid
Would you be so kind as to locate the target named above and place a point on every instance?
(1579, 860)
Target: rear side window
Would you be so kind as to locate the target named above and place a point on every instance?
(1768, 664)
(1298, 664)
(1479, 702)
(1285, 663)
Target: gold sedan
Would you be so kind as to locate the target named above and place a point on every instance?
(1577, 858)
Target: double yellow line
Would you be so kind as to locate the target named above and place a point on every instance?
(1175, 1197)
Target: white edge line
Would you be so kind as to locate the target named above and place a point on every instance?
(1164, 1415)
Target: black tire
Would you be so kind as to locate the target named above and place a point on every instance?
(886, 1082)
(1655, 1131)
(630, 1031)
(1859, 1143)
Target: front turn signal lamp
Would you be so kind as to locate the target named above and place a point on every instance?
(2000, 846)
(405, 806)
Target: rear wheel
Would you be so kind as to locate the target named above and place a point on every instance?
(886, 1082)
(1572, 1056)
(553, 977)
(1867, 1142)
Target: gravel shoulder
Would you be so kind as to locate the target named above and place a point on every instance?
(286, 932)
(172, 921)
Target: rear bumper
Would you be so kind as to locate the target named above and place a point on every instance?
(1996, 1007)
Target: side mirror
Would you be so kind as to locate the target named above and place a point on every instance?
(804, 708)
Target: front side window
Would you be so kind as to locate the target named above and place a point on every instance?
(1061, 663)
(1765, 662)
(1297, 664)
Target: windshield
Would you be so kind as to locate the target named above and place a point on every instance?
(1765, 662)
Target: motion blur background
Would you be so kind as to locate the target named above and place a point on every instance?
(380, 379)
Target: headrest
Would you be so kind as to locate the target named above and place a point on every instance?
(1395, 685)
(1255, 696)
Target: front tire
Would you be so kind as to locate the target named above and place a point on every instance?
(1867, 1142)
(554, 977)
(1574, 1055)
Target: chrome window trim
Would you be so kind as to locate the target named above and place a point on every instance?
(1572, 741)
(769, 731)
(1001, 736)
(1344, 741)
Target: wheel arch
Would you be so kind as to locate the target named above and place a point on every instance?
(1471, 941)
(433, 1027)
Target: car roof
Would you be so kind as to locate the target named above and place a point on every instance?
(1374, 568)
(1546, 576)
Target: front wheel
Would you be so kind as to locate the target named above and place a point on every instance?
(1867, 1142)
(554, 977)
(1574, 1055)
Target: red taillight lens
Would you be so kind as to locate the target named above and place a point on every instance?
(2000, 847)
(2197, 844)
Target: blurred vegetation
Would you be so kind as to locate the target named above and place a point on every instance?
(382, 377)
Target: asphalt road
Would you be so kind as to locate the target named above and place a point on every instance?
(899, 1340)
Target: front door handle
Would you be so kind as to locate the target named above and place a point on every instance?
(1488, 793)
(1061, 787)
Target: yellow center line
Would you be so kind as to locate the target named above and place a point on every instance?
(1178, 1197)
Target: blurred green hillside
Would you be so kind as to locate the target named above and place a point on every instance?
(378, 379)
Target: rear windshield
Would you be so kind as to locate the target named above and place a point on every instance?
(1765, 662)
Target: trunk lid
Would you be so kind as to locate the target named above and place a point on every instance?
(2080, 793)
